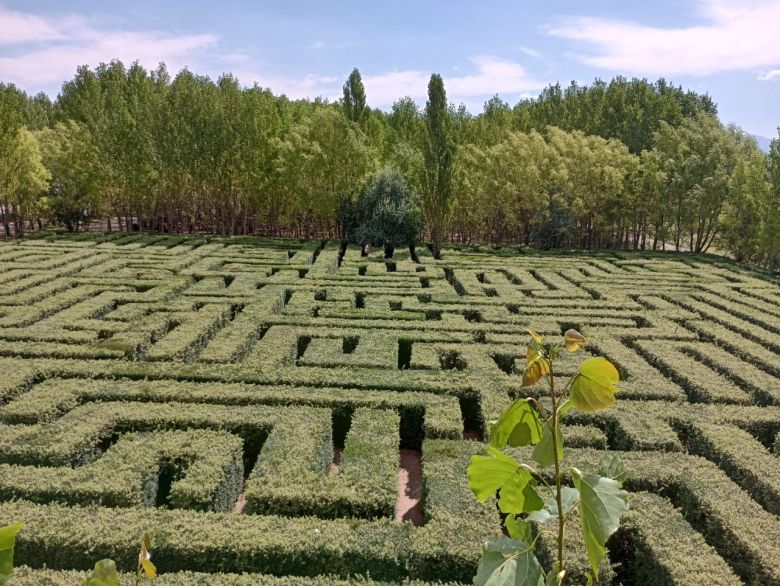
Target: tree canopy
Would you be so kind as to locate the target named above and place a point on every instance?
(388, 212)
(439, 151)
(624, 163)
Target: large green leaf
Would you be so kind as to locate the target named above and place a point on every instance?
(541, 516)
(611, 466)
(518, 426)
(104, 574)
(508, 562)
(543, 453)
(593, 388)
(497, 471)
(7, 542)
(569, 499)
(602, 501)
(518, 528)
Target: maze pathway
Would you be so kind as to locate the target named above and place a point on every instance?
(247, 402)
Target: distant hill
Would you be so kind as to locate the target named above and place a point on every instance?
(763, 142)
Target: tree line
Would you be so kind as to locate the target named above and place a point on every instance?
(624, 164)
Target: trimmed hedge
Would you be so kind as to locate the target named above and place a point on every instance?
(147, 370)
(292, 472)
(676, 555)
(741, 456)
(448, 546)
(25, 576)
(74, 537)
(129, 473)
(76, 437)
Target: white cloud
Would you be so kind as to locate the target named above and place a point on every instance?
(733, 35)
(493, 76)
(309, 86)
(50, 49)
(769, 75)
(41, 52)
(530, 52)
(320, 44)
(19, 27)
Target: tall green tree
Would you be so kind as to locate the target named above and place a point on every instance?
(320, 159)
(76, 188)
(403, 145)
(23, 182)
(769, 238)
(748, 203)
(694, 161)
(188, 153)
(629, 110)
(354, 100)
(439, 152)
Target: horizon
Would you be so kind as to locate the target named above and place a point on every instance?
(724, 49)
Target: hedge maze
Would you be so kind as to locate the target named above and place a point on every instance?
(247, 403)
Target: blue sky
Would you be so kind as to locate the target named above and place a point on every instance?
(304, 49)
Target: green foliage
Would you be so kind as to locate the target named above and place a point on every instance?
(25, 576)
(75, 190)
(84, 441)
(388, 213)
(439, 151)
(104, 574)
(354, 100)
(693, 162)
(628, 110)
(550, 447)
(518, 426)
(619, 164)
(769, 236)
(601, 502)
(193, 541)
(7, 541)
(598, 498)
(495, 471)
(24, 180)
(509, 562)
(366, 485)
(594, 387)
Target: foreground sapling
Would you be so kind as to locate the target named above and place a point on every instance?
(528, 495)
(106, 574)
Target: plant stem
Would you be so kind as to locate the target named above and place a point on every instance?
(554, 429)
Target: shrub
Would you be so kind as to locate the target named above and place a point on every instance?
(387, 213)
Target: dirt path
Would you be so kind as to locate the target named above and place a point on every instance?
(335, 466)
(240, 503)
(409, 504)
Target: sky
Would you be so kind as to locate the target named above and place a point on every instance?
(727, 48)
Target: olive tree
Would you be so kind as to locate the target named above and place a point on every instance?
(388, 213)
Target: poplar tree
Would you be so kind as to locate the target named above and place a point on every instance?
(439, 154)
(354, 102)
(23, 182)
